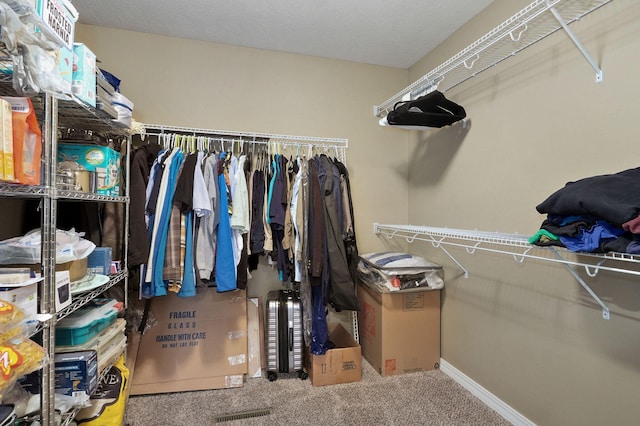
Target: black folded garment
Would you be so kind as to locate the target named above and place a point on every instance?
(430, 110)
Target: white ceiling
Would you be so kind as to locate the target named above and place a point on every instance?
(394, 33)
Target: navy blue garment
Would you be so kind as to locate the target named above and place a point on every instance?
(590, 239)
(319, 328)
(614, 197)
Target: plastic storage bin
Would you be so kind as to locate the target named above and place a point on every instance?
(84, 324)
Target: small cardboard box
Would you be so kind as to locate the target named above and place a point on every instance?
(99, 261)
(343, 364)
(64, 59)
(400, 332)
(76, 372)
(84, 74)
(60, 18)
(198, 343)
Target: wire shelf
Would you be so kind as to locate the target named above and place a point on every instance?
(515, 245)
(84, 298)
(530, 25)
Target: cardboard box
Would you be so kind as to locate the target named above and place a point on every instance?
(64, 59)
(254, 339)
(400, 332)
(84, 74)
(76, 372)
(60, 18)
(101, 159)
(343, 364)
(99, 261)
(198, 343)
(77, 268)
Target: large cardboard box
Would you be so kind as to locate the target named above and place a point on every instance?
(198, 343)
(343, 364)
(400, 332)
(255, 338)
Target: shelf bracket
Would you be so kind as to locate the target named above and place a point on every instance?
(605, 309)
(437, 244)
(579, 45)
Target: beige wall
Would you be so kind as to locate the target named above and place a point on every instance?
(528, 332)
(196, 84)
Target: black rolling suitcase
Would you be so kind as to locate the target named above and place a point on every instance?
(285, 345)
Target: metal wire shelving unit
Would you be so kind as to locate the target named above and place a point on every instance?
(54, 114)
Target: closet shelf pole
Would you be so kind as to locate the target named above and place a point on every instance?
(578, 44)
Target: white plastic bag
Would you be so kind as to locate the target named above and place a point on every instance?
(70, 246)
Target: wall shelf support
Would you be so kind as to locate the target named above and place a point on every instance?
(605, 309)
(578, 44)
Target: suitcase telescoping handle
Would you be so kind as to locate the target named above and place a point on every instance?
(291, 338)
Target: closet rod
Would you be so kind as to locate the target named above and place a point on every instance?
(156, 129)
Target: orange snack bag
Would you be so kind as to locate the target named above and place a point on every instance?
(27, 141)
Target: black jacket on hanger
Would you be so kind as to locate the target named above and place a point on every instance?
(430, 110)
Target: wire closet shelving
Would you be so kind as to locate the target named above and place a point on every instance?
(515, 245)
(530, 25)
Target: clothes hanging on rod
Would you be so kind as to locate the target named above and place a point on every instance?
(254, 202)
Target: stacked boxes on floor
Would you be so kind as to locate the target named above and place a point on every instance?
(400, 317)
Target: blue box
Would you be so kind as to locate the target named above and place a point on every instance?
(99, 261)
(84, 74)
(76, 372)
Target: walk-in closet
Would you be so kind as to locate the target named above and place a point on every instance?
(420, 213)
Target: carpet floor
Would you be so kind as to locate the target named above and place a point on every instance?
(423, 398)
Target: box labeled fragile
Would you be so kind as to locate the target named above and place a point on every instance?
(400, 332)
(84, 74)
(197, 343)
(101, 159)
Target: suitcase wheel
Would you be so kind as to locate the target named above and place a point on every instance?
(303, 375)
(272, 376)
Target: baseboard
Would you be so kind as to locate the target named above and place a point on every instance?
(484, 395)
